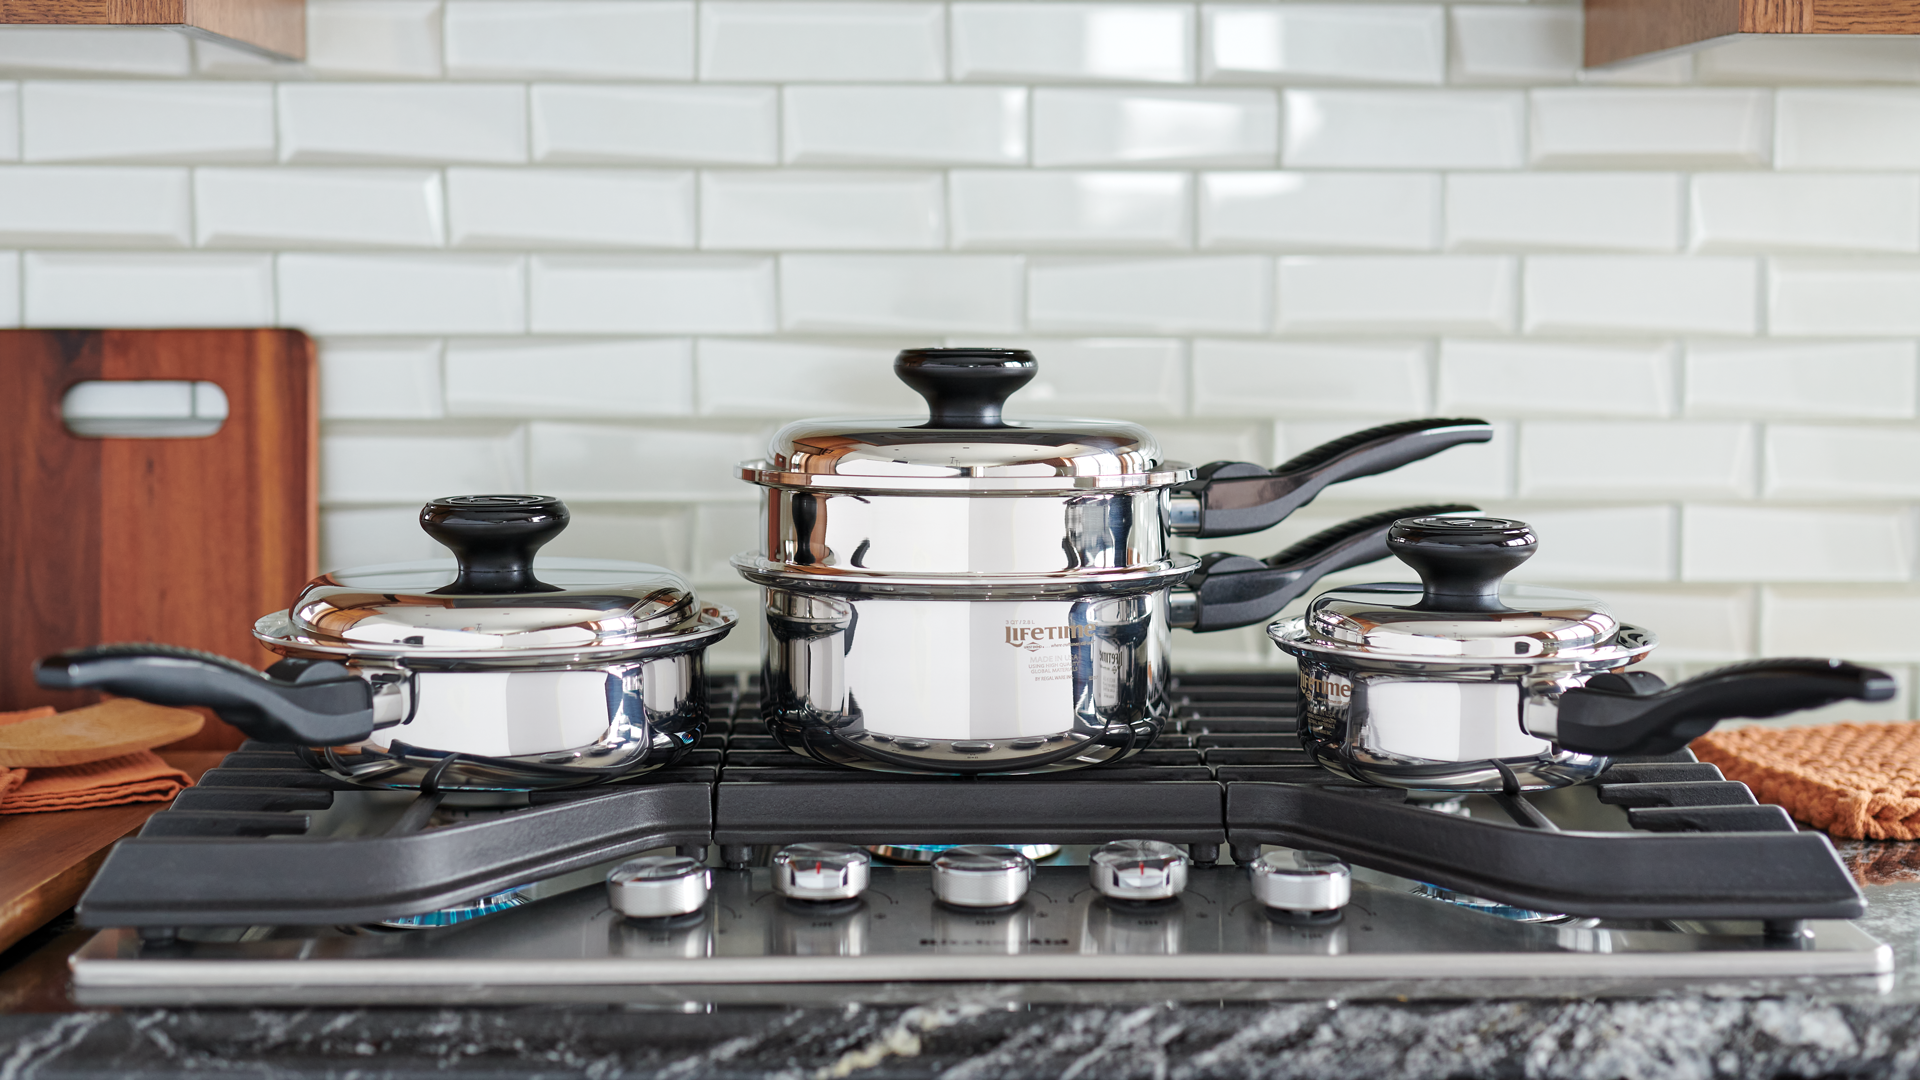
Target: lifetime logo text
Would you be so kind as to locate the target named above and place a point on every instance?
(1040, 637)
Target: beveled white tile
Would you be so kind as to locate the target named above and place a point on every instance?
(1072, 42)
(1690, 459)
(1602, 543)
(1320, 211)
(570, 39)
(381, 39)
(664, 294)
(872, 211)
(1712, 623)
(562, 377)
(1311, 378)
(1790, 543)
(9, 121)
(1742, 212)
(1404, 129)
(380, 379)
(1849, 129)
(1769, 59)
(795, 378)
(1458, 474)
(1866, 624)
(1386, 293)
(891, 293)
(1640, 295)
(570, 208)
(1365, 43)
(650, 463)
(371, 535)
(404, 293)
(1517, 44)
(722, 125)
(1138, 377)
(1690, 128)
(357, 466)
(740, 650)
(822, 41)
(322, 208)
(1215, 441)
(149, 51)
(221, 59)
(905, 125)
(1564, 211)
(1861, 297)
(65, 289)
(10, 288)
(1855, 461)
(58, 206)
(1660, 69)
(1154, 127)
(721, 531)
(1030, 210)
(102, 122)
(1223, 294)
(658, 536)
(1865, 380)
(1544, 378)
(463, 123)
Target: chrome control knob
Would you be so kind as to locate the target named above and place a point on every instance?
(658, 886)
(1138, 870)
(978, 876)
(820, 871)
(1307, 883)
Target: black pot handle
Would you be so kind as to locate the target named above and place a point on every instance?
(1632, 713)
(1230, 591)
(1229, 498)
(323, 704)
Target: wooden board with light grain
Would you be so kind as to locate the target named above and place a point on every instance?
(277, 26)
(1623, 29)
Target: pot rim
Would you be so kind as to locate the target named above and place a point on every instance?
(1291, 636)
(762, 473)
(761, 570)
(714, 621)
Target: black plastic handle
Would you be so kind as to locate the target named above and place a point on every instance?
(1235, 590)
(1237, 497)
(1461, 560)
(324, 705)
(1634, 713)
(965, 388)
(493, 538)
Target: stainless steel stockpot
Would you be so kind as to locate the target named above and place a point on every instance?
(463, 673)
(1468, 685)
(970, 593)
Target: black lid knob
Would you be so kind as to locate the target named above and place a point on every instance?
(1461, 560)
(965, 388)
(493, 538)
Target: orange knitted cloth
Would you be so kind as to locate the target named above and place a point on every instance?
(129, 778)
(1860, 781)
(13, 778)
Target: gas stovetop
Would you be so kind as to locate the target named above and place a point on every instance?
(270, 881)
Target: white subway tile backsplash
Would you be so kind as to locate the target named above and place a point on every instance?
(1366, 43)
(521, 377)
(1216, 441)
(905, 125)
(104, 122)
(380, 379)
(1154, 127)
(1695, 623)
(1546, 378)
(473, 123)
(1698, 459)
(796, 378)
(1805, 212)
(721, 125)
(379, 39)
(613, 294)
(1564, 211)
(403, 293)
(570, 39)
(893, 293)
(721, 531)
(1848, 129)
(1397, 294)
(822, 41)
(1834, 462)
(569, 208)
(358, 466)
(1404, 129)
(1012, 209)
(371, 535)
(1225, 294)
(146, 51)
(9, 288)
(1870, 625)
(1320, 211)
(9, 121)
(599, 532)
(64, 289)
(1601, 543)
(1661, 69)
(1865, 380)
(1072, 42)
(1789, 543)
(1515, 44)
(611, 463)
(1311, 378)
(1475, 471)
(324, 208)
(1827, 58)
(1641, 295)
(94, 207)
(1144, 377)
(220, 59)
(873, 211)
(1844, 297)
(1689, 128)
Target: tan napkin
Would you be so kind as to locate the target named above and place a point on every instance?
(1860, 781)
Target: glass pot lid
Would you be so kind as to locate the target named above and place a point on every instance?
(965, 443)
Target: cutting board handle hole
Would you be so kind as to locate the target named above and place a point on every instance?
(143, 409)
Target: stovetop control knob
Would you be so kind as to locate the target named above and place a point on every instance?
(979, 876)
(658, 886)
(820, 871)
(1138, 870)
(1310, 885)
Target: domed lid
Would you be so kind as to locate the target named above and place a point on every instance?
(487, 600)
(965, 443)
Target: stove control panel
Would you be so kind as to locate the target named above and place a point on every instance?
(659, 887)
(821, 872)
(978, 876)
(1301, 885)
(1138, 870)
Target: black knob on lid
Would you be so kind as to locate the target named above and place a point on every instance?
(1461, 560)
(965, 388)
(493, 538)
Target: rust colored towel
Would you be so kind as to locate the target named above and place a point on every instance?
(1860, 781)
(13, 778)
(131, 778)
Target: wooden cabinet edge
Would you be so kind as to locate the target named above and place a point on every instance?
(1619, 30)
(274, 26)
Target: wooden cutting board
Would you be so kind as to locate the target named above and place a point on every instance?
(183, 541)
